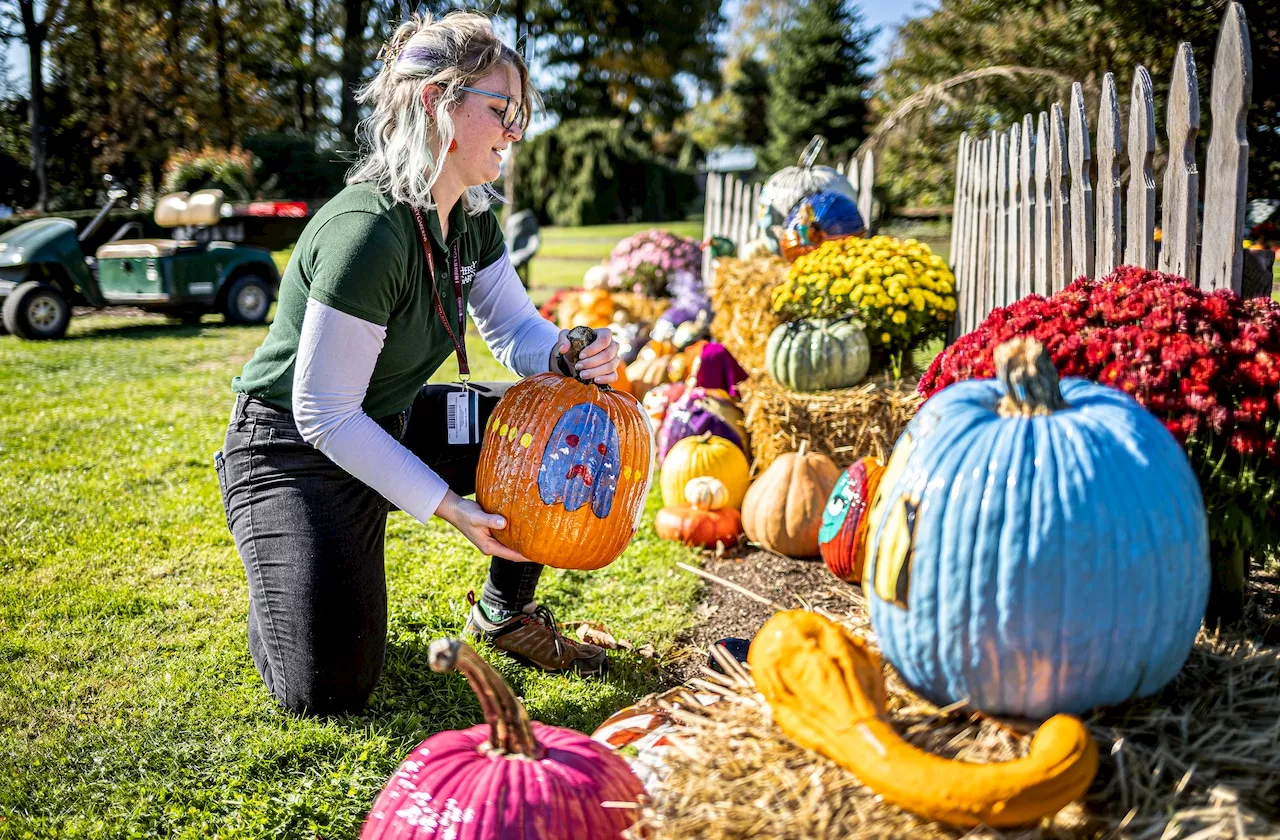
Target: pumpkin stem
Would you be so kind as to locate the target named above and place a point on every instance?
(579, 339)
(804, 447)
(1030, 379)
(510, 732)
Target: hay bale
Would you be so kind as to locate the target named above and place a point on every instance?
(743, 307)
(843, 424)
(1201, 760)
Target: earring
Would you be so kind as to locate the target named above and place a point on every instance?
(453, 145)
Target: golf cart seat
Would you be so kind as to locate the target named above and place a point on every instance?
(198, 209)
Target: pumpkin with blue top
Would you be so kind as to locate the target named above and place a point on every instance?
(568, 464)
(1036, 547)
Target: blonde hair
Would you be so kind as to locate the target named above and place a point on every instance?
(398, 138)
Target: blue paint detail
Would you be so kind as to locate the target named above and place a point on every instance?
(1059, 563)
(588, 471)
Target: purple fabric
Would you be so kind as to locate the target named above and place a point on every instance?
(717, 368)
(700, 410)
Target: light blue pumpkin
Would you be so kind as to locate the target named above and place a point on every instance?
(1032, 565)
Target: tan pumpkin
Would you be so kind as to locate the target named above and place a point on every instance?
(705, 454)
(783, 509)
(649, 370)
(826, 692)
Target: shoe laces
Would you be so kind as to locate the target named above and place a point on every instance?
(542, 614)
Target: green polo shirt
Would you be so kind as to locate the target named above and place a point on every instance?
(362, 254)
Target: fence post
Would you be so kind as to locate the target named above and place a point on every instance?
(866, 187)
(1181, 180)
(1081, 190)
(1060, 268)
(1227, 162)
(1108, 196)
(1014, 219)
(1026, 175)
(1044, 208)
(1140, 209)
(958, 202)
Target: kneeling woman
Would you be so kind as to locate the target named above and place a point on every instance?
(332, 424)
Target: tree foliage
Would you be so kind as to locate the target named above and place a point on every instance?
(625, 59)
(1081, 39)
(818, 81)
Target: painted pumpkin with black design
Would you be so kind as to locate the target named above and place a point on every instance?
(568, 464)
(1036, 547)
(842, 539)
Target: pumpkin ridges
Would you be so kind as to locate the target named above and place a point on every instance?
(842, 715)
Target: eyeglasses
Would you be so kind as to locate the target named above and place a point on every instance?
(514, 112)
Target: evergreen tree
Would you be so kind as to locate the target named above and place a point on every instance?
(819, 74)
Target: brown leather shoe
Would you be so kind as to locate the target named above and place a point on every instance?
(532, 638)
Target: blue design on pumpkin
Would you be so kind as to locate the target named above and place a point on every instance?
(581, 461)
(1045, 564)
(834, 214)
(837, 509)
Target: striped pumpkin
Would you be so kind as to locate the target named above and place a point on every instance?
(1036, 548)
(818, 354)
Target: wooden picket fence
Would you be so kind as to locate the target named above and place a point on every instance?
(730, 205)
(1019, 228)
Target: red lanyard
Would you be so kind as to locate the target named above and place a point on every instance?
(458, 338)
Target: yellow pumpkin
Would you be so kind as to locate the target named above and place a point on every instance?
(826, 692)
(705, 454)
(783, 509)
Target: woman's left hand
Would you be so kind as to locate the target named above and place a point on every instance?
(599, 360)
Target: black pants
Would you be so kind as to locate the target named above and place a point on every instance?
(311, 537)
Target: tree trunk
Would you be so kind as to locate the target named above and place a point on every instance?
(295, 25)
(352, 65)
(519, 11)
(35, 32)
(227, 132)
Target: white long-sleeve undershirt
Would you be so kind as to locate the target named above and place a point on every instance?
(337, 353)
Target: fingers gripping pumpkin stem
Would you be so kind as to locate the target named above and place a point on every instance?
(1029, 377)
(827, 694)
(510, 732)
(579, 339)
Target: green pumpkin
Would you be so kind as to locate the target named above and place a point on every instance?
(818, 354)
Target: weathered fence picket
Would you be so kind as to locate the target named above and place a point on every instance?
(1019, 229)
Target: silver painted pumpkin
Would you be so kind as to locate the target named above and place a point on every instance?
(818, 354)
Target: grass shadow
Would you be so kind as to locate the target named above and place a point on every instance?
(151, 330)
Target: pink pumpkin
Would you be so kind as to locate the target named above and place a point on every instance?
(506, 779)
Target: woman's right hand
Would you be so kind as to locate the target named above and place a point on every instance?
(477, 526)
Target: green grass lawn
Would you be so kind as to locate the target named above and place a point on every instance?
(129, 705)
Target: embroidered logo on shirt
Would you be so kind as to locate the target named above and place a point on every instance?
(468, 273)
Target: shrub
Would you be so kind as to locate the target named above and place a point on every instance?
(230, 170)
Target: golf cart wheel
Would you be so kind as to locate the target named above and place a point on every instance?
(37, 312)
(248, 300)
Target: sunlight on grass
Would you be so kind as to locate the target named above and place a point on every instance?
(129, 705)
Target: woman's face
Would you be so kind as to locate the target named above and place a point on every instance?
(477, 122)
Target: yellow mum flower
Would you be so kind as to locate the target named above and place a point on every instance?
(899, 317)
(885, 338)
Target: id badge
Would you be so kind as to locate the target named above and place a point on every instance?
(463, 416)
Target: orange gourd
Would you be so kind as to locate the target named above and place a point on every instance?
(783, 509)
(568, 464)
(826, 692)
(651, 366)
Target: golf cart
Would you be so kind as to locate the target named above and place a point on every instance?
(44, 271)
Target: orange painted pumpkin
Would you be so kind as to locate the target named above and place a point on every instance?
(842, 540)
(568, 464)
(705, 521)
(782, 510)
